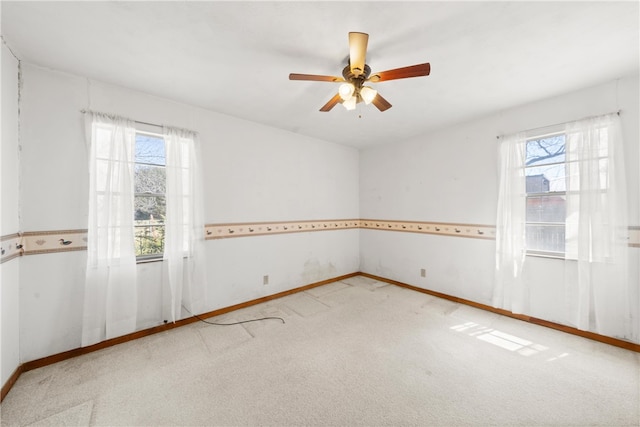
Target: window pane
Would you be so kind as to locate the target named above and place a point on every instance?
(545, 150)
(599, 146)
(103, 141)
(150, 179)
(543, 179)
(150, 149)
(546, 208)
(101, 174)
(149, 208)
(149, 239)
(149, 225)
(596, 169)
(545, 238)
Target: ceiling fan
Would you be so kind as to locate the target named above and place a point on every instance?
(357, 73)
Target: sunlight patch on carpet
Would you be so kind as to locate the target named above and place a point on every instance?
(501, 339)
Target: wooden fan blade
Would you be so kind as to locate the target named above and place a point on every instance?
(315, 78)
(357, 52)
(332, 103)
(381, 103)
(402, 73)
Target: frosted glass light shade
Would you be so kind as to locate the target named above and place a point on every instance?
(368, 94)
(346, 91)
(350, 104)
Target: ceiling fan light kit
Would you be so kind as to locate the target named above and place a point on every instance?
(346, 91)
(350, 104)
(368, 94)
(357, 73)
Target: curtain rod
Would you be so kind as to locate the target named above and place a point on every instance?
(135, 121)
(563, 123)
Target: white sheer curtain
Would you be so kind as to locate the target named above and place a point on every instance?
(110, 301)
(510, 292)
(184, 235)
(597, 281)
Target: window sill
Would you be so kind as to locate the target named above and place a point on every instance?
(153, 258)
(148, 259)
(546, 255)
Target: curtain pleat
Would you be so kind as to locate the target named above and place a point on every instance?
(510, 291)
(184, 272)
(597, 276)
(110, 300)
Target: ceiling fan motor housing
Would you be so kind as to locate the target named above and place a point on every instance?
(356, 81)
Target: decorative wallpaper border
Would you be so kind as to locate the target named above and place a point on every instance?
(475, 231)
(10, 247)
(44, 242)
(221, 231)
(634, 236)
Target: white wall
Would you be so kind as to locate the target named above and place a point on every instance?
(252, 173)
(257, 173)
(9, 271)
(452, 176)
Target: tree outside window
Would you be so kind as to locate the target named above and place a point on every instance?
(150, 200)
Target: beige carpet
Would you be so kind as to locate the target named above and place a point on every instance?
(355, 352)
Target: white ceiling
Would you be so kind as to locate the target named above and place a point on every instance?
(235, 57)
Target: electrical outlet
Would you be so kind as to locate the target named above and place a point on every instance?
(423, 272)
(265, 279)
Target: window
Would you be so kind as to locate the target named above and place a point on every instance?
(564, 194)
(145, 202)
(150, 195)
(546, 188)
